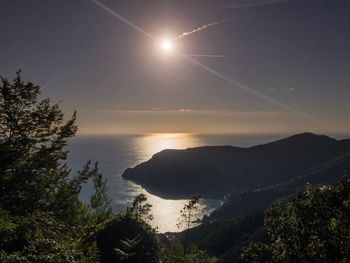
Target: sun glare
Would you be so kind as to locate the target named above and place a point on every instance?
(166, 45)
(156, 142)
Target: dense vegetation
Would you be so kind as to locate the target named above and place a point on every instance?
(41, 216)
(127, 239)
(42, 219)
(312, 227)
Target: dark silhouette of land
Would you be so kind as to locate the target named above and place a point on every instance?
(215, 171)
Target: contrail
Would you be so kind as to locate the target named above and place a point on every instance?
(216, 73)
(205, 56)
(261, 3)
(57, 78)
(185, 34)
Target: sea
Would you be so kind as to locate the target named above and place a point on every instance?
(114, 153)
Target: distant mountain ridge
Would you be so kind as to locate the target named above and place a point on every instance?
(214, 171)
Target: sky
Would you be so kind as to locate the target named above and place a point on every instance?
(271, 66)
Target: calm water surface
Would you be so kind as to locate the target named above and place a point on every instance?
(115, 153)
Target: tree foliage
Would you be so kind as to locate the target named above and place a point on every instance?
(313, 227)
(190, 215)
(41, 216)
(33, 134)
(99, 200)
(173, 253)
(127, 239)
(141, 208)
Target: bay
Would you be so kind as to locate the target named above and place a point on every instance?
(117, 152)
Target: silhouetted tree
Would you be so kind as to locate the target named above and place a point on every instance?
(141, 208)
(41, 216)
(127, 239)
(173, 253)
(99, 200)
(190, 215)
(33, 135)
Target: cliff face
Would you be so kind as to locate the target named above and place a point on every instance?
(218, 170)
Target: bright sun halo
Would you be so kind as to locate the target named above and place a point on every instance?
(166, 45)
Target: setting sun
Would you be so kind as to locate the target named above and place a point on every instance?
(166, 45)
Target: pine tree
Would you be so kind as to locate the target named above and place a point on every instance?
(189, 216)
(41, 216)
(141, 208)
(33, 134)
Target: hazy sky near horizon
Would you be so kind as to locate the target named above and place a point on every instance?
(293, 56)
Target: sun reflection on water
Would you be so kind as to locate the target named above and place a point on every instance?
(165, 211)
(152, 143)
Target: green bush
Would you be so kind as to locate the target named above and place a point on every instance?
(313, 227)
(41, 216)
(126, 238)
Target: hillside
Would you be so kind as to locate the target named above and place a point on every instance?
(218, 170)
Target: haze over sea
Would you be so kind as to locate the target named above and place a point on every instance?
(115, 153)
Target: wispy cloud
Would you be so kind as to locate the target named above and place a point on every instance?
(206, 55)
(185, 110)
(156, 109)
(285, 89)
(195, 112)
(258, 3)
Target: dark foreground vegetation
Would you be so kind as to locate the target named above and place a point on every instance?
(41, 216)
(312, 226)
(42, 219)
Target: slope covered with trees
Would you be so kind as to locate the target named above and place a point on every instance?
(41, 216)
(310, 226)
(314, 226)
